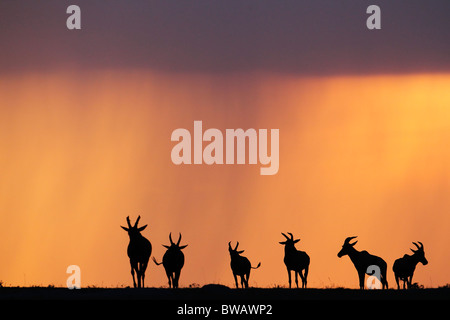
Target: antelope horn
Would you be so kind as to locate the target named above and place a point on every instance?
(417, 246)
(137, 221)
(170, 238)
(292, 236)
(128, 221)
(237, 244)
(287, 238)
(179, 239)
(349, 239)
(421, 245)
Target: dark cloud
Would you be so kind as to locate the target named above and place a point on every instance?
(298, 36)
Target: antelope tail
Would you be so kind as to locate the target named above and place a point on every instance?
(156, 262)
(259, 265)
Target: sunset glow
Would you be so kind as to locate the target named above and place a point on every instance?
(362, 156)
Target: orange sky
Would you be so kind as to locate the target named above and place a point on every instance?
(359, 155)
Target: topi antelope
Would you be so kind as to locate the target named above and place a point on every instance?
(139, 251)
(295, 260)
(240, 266)
(404, 267)
(173, 261)
(362, 261)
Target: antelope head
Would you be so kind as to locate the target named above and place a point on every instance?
(347, 246)
(290, 242)
(420, 253)
(234, 252)
(133, 231)
(174, 246)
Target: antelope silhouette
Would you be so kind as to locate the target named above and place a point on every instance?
(404, 267)
(362, 260)
(139, 251)
(173, 261)
(295, 260)
(240, 265)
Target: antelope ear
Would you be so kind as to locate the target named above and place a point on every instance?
(242, 251)
(142, 228)
(182, 247)
(295, 241)
(282, 242)
(126, 229)
(167, 247)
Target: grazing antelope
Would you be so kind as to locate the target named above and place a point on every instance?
(295, 260)
(404, 267)
(173, 261)
(240, 266)
(362, 260)
(139, 251)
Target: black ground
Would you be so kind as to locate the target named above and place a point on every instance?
(218, 293)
